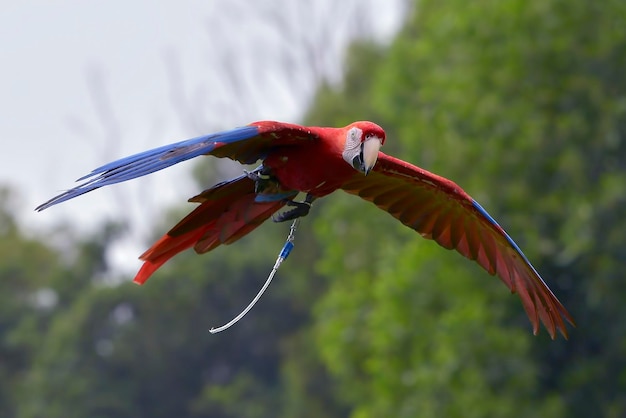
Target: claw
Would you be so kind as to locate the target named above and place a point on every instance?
(300, 209)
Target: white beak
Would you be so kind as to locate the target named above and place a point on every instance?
(369, 153)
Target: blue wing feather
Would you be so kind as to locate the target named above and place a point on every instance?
(152, 160)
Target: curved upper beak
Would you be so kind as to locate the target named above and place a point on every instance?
(369, 154)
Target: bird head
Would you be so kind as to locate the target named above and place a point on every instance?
(363, 141)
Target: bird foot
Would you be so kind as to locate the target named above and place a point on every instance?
(299, 210)
(263, 179)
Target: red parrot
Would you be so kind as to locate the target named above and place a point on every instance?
(318, 161)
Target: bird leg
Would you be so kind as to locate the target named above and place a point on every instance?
(300, 209)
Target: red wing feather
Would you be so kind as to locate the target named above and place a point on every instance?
(270, 135)
(439, 209)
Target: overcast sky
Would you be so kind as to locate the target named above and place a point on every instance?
(83, 83)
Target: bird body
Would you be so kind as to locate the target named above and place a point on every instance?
(318, 161)
(315, 166)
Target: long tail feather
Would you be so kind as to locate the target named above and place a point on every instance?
(226, 213)
(162, 250)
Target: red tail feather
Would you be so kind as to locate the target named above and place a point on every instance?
(227, 212)
(164, 249)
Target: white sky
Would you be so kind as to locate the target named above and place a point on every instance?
(159, 72)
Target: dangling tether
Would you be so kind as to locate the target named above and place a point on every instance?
(284, 253)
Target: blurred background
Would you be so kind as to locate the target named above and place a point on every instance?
(523, 103)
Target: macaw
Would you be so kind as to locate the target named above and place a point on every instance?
(317, 161)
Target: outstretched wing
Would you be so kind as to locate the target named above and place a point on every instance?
(246, 144)
(440, 210)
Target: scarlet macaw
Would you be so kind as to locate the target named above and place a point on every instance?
(318, 161)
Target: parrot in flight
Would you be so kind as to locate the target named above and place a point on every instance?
(317, 161)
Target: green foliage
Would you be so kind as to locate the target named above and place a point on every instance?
(36, 288)
(146, 352)
(103, 350)
(523, 104)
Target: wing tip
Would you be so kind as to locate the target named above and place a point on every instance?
(547, 309)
